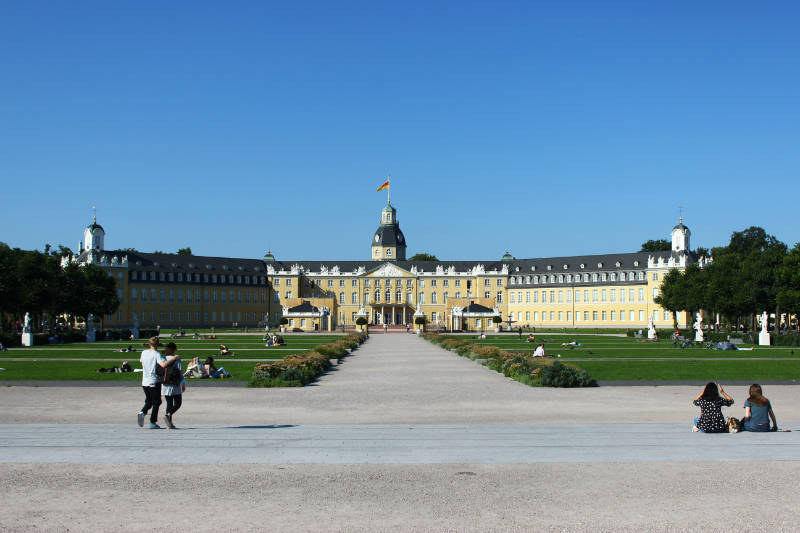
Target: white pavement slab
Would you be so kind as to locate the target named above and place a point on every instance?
(356, 444)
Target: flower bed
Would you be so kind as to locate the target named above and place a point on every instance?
(533, 371)
(301, 369)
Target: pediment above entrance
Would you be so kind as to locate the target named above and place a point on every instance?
(390, 270)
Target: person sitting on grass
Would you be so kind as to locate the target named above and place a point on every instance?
(212, 372)
(277, 340)
(531, 338)
(223, 350)
(710, 403)
(757, 409)
(539, 352)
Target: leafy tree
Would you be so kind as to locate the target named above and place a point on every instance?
(101, 294)
(660, 245)
(423, 257)
(158, 252)
(129, 250)
(185, 251)
(702, 252)
(788, 295)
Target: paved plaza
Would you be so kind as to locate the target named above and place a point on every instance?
(402, 436)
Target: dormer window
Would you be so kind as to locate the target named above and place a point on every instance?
(583, 265)
(549, 267)
(619, 264)
(599, 265)
(566, 267)
(533, 268)
(636, 263)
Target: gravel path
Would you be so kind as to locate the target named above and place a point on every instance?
(397, 381)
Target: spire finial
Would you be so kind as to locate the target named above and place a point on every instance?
(680, 214)
(94, 209)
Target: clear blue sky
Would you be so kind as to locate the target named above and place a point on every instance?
(546, 129)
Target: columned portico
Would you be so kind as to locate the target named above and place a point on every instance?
(391, 315)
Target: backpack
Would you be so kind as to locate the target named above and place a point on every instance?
(172, 374)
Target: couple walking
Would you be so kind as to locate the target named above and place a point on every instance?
(161, 375)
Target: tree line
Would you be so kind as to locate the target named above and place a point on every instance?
(35, 282)
(755, 272)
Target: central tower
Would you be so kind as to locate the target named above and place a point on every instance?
(388, 243)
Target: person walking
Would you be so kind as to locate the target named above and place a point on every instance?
(173, 392)
(151, 382)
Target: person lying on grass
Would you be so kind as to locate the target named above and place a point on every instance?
(223, 350)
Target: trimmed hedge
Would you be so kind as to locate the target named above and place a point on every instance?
(533, 371)
(301, 369)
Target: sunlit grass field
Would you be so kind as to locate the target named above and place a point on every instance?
(612, 358)
(68, 362)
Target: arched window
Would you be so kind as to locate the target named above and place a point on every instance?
(377, 296)
(398, 296)
(388, 296)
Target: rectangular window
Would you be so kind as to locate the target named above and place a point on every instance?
(666, 315)
(613, 316)
(577, 296)
(341, 298)
(536, 316)
(422, 298)
(603, 295)
(586, 296)
(622, 296)
(569, 316)
(655, 276)
(354, 283)
(569, 299)
(613, 295)
(434, 298)
(303, 323)
(511, 296)
(560, 297)
(594, 316)
(655, 292)
(422, 283)
(499, 297)
(544, 297)
(594, 295)
(561, 316)
(478, 323)
(499, 282)
(641, 316)
(604, 316)
(433, 283)
(487, 294)
(552, 316)
(632, 317)
(527, 297)
(528, 316)
(134, 293)
(641, 294)
(354, 298)
(289, 282)
(458, 283)
(586, 316)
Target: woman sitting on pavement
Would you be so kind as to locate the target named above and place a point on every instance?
(710, 403)
(212, 372)
(758, 411)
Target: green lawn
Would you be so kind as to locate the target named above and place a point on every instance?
(692, 370)
(671, 364)
(594, 346)
(57, 365)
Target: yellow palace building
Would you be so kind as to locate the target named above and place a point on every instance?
(583, 291)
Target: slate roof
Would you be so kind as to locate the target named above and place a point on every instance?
(304, 307)
(476, 308)
(389, 235)
(195, 263)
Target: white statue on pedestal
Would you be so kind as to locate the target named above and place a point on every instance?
(763, 337)
(698, 328)
(91, 332)
(135, 328)
(651, 330)
(27, 332)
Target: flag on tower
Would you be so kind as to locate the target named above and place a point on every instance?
(384, 186)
